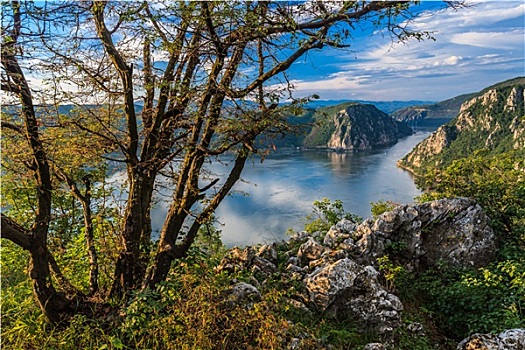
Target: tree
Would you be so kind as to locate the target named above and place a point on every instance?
(210, 76)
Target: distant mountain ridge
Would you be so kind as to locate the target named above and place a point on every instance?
(384, 106)
(437, 114)
(494, 121)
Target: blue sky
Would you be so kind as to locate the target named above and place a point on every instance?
(474, 48)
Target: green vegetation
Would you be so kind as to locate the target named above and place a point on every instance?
(326, 214)
(492, 170)
(381, 206)
(481, 127)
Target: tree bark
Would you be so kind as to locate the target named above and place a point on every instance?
(52, 303)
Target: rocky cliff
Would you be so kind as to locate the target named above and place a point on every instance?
(440, 113)
(354, 127)
(493, 121)
(432, 114)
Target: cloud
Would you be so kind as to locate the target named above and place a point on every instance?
(474, 48)
(493, 40)
(449, 61)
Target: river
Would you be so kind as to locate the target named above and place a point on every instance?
(279, 192)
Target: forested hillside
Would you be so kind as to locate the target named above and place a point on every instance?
(492, 123)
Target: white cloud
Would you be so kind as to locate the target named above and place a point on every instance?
(449, 61)
(484, 14)
(495, 40)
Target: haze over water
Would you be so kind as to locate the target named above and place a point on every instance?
(283, 188)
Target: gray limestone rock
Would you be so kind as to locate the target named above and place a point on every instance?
(245, 295)
(346, 289)
(311, 250)
(511, 339)
(453, 231)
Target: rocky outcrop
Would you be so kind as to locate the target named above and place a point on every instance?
(344, 289)
(456, 232)
(433, 145)
(512, 339)
(492, 121)
(356, 127)
(335, 273)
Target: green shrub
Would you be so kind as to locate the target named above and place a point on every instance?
(326, 214)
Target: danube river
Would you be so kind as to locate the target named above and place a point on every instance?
(279, 193)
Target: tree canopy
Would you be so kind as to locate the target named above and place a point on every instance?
(156, 88)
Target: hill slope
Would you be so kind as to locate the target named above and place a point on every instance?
(354, 126)
(441, 112)
(493, 121)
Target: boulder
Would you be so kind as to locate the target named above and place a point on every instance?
(236, 259)
(311, 250)
(245, 295)
(453, 231)
(512, 339)
(339, 232)
(262, 266)
(268, 252)
(346, 289)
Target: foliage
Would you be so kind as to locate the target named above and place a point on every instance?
(211, 76)
(492, 298)
(392, 273)
(480, 127)
(497, 182)
(326, 214)
(381, 206)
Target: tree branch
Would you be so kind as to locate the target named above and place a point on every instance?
(15, 233)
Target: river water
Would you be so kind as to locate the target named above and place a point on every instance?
(279, 192)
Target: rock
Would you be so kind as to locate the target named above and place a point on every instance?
(416, 328)
(512, 339)
(491, 119)
(339, 232)
(268, 252)
(311, 250)
(263, 266)
(374, 346)
(245, 295)
(345, 289)
(236, 259)
(299, 236)
(293, 260)
(358, 127)
(295, 343)
(294, 268)
(455, 231)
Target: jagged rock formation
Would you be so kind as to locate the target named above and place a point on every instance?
(493, 121)
(356, 127)
(512, 339)
(338, 269)
(455, 231)
(345, 289)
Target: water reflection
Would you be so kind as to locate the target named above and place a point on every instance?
(283, 188)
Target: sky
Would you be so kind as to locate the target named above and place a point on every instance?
(474, 48)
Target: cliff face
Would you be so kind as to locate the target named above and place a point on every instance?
(494, 121)
(431, 114)
(356, 127)
(440, 113)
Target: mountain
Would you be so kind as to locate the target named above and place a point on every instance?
(353, 126)
(493, 121)
(431, 114)
(437, 114)
(384, 106)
